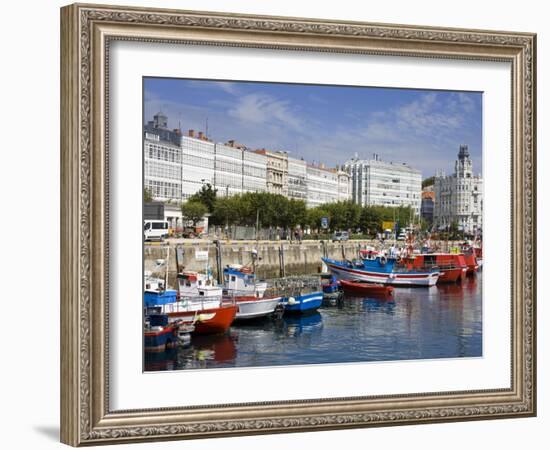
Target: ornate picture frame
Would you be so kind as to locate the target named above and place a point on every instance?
(86, 34)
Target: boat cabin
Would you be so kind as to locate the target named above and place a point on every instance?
(439, 260)
(242, 280)
(195, 284)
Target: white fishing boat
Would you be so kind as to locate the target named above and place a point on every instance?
(240, 284)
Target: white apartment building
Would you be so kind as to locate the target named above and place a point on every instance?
(297, 179)
(197, 165)
(228, 170)
(344, 185)
(162, 168)
(326, 185)
(377, 182)
(254, 172)
(459, 197)
(176, 172)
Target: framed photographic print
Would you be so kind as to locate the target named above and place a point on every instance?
(276, 224)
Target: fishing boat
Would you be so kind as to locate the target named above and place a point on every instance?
(301, 295)
(330, 285)
(381, 269)
(198, 301)
(303, 303)
(159, 335)
(241, 285)
(364, 288)
(201, 299)
(241, 280)
(452, 266)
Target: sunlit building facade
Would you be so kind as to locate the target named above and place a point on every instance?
(176, 166)
(326, 185)
(276, 171)
(459, 197)
(297, 179)
(162, 168)
(377, 182)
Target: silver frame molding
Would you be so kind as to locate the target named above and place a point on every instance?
(86, 33)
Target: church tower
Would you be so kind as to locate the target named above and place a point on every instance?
(463, 165)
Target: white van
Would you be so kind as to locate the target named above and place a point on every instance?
(155, 229)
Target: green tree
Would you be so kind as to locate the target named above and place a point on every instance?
(226, 211)
(371, 220)
(147, 196)
(314, 215)
(193, 211)
(206, 195)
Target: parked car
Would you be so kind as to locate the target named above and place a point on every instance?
(340, 236)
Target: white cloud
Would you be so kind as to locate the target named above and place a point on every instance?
(263, 109)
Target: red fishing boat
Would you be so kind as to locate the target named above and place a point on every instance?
(365, 288)
(452, 266)
(470, 257)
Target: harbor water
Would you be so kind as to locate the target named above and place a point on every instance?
(442, 321)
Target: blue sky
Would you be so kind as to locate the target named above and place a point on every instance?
(327, 124)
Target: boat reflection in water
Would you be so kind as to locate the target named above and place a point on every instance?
(203, 352)
(378, 304)
(158, 361)
(208, 351)
(297, 325)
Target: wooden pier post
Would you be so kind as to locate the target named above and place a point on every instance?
(219, 266)
(282, 261)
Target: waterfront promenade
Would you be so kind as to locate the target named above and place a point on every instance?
(274, 258)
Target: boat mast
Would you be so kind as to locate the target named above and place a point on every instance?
(166, 264)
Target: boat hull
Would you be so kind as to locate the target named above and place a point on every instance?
(303, 304)
(207, 321)
(253, 308)
(394, 279)
(159, 341)
(452, 275)
(472, 264)
(362, 288)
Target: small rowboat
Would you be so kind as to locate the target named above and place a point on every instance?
(365, 288)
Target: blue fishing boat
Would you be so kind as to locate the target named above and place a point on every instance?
(329, 283)
(302, 304)
(156, 298)
(159, 335)
(380, 269)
